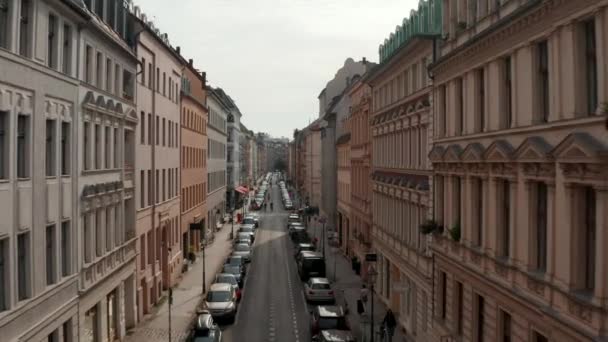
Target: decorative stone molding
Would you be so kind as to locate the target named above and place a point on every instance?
(583, 171)
(539, 170)
(582, 312)
(18, 100)
(536, 286)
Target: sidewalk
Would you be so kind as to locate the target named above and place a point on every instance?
(347, 285)
(186, 296)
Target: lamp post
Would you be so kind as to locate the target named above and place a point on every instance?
(232, 228)
(372, 279)
(204, 266)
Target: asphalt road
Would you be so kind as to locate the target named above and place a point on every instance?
(273, 308)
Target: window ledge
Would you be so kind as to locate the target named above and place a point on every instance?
(99, 171)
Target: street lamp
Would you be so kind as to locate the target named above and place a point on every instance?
(232, 228)
(372, 280)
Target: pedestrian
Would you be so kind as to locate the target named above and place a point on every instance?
(389, 323)
(271, 207)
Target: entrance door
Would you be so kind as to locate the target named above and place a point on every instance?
(112, 316)
(164, 257)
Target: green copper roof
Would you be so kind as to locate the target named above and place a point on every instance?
(424, 21)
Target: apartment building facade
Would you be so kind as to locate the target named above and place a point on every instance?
(344, 221)
(158, 164)
(217, 131)
(107, 122)
(193, 159)
(233, 154)
(401, 172)
(360, 171)
(519, 156)
(39, 239)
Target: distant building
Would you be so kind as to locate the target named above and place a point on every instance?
(217, 131)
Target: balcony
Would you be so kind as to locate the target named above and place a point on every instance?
(102, 267)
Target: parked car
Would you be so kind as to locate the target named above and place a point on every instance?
(311, 264)
(205, 329)
(293, 225)
(245, 240)
(303, 247)
(221, 301)
(243, 250)
(293, 218)
(333, 335)
(248, 230)
(299, 235)
(319, 290)
(327, 318)
(248, 219)
(245, 236)
(237, 271)
(236, 260)
(227, 278)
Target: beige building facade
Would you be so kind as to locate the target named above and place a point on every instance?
(401, 196)
(193, 159)
(519, 157)
(360, 171)
(157, 167)
(312, 165)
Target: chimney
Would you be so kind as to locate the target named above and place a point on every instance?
(190, 61)
(178, 49)
(204, 74)
(364, 60)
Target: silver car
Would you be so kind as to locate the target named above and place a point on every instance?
(243, 250)
(221, 301)
(319, 290)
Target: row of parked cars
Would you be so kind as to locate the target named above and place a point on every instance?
(260, 195)
(327, 320)
(222, 300)
(287, 203)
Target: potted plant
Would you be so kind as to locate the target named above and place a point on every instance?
(455, 232)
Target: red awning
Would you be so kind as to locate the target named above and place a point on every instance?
(243, 190)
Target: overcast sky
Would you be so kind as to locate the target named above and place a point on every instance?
(273, 57)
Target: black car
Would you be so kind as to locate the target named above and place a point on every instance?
(299, 235)
(311, 264)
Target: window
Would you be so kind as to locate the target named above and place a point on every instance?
(142, 255)
(52, 40)
(117, 89)
(98, 233)
(459, 308)
(4, 302)
(164, 184)
(164, 131)
(67, 331)
(117, 154)
(88, 65)
(25, 25)
(149, 129)
(4, 23)
(478, 197)
(66, 153)
(481, 105)
(128, 85)
(460, 104)
(50, 148)
(164, 84)
(111, 14)
(150, 180)
(157, 79)
(108, 226)
(589, 238)
(86, 150)
(66, 63)
(109, 75)
(505, 219)
(97, 141)
(538, 337)
(150, 75)
(157, 187)
(23, 266)
(142, 182)
(99, 72)
(142, 129)
(87, 238)
(143, 71)
(50, 255)
(99, 8)
(108, 147)
(157, 140)
(541, 226)
(479, 322)
(444, 296)
(457, 200)
(508, 93)
(4, 143)
(23, 146)
(66, 247)
(505, 326)
(444, 110)
(590, 66)
(543, 80)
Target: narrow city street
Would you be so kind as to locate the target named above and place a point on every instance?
(273, 306)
